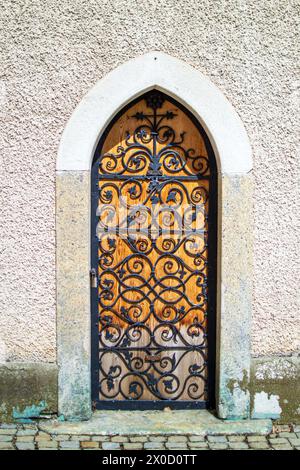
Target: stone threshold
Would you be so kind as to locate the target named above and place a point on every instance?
(119, 422)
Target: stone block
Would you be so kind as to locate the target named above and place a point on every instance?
(43, 445)
(196, 438)
(154, 445)
(177, 438)
(278, 440)
(4, 438)
(133, 445)
(238, 445)
(218, 446)
(42, 436)
(25, 446)
(256, 438)
(7, 432)
(198, 445)
(282, 447)
(157, 438)
(138, 438)
(6, 446)
(176, 445)
(259, 445)
(80, 437)
(222, 439)
(236, 438)
(120, 439)
(27, 432)
(25, 439)
(61, 437)
(295, 442)
(100, 438)
(69, 445)
(89, 445)
(287, 434)
(110, 446)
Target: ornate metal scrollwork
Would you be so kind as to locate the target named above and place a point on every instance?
(153, 302)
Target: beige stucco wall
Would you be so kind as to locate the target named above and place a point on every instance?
(53, 52)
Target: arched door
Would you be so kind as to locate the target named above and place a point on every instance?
(153, 258)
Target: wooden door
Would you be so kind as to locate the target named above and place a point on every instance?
(153, 252)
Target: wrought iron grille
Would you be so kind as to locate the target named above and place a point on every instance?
(153, 310)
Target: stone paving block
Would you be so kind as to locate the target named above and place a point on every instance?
(283, 427)
(238, 445)
(218, 446)
(154, 446)
(4, 438)
(42, 436)
(133, 445)
(48, 448)
(198, 445)
(48, 444)
(222, 439)
(138, 438)
(282, 447)
(295, 441)
(8, 431)
(89, 445)
(120, 439)
(236, 438)
(80, 437)
(177, 439)
(279, 440)
(196, 438)
(110, 446)
(259, 445)
(176, 445)
(297, 428)
(287, 434)
(25, 445)
(60, 437)
(8, 426)
(157, 438)
(100, 438)
(25, 438)
(69, 445)
(26, 432)
(256, 438)
(6, 446)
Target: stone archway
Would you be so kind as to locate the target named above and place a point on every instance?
(233, 154)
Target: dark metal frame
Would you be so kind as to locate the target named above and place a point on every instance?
(212, 281)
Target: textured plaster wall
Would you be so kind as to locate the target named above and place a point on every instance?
(52, 52)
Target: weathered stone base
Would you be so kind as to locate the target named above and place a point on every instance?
(200, 422)
(27, 390)
(33, 437)
(275, 388)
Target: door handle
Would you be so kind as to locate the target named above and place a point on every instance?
(93, 278)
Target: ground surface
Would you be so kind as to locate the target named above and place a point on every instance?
(32, 437)
(150, 430)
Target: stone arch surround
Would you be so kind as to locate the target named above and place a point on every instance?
(234, 160)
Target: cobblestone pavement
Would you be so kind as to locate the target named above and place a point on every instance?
(30, 437)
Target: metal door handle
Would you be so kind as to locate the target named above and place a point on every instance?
(93, 278)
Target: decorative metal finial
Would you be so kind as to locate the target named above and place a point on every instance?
(155, 100)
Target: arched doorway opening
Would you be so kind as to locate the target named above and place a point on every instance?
(153, 259)
(232, 151)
